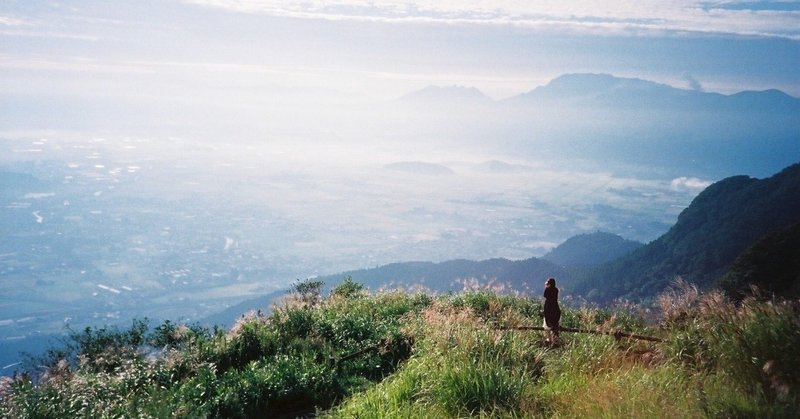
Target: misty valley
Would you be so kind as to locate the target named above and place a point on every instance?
(105, 230)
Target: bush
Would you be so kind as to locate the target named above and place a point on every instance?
(248, 341)
(348, 289)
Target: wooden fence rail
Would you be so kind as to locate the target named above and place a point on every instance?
(360, 352)
(618, 334)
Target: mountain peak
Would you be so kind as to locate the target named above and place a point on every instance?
(594, 85)
(419, 168)
(583, 82)
(458, 93)
(771, 99)
(591, 249)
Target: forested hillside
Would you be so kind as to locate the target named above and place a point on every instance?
(721, 222)
(591, 249)
(456, 275)
(772, 264)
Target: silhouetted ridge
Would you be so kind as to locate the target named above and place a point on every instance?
(518, 275)
(418, 167)
(617, 92)
(721, 222)
(772, 264)
(451, 94)
(591, 249)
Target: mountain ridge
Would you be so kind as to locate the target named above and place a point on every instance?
(572, 86)
(772, 264)
(452, 275)
(630, 121)
(621, 92)
(452, 93)
(591, 249)
(720, 223)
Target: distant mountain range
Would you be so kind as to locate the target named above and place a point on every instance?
(588, 89)
(419, 168)
(600, 117)
(609, 91)
(446, 94)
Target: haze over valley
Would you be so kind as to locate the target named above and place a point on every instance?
(107, 229)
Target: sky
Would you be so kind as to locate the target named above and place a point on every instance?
(204, 51)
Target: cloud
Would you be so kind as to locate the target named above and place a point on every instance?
(621, 16)
(684, 183)
(694, 84)
(10, 21)
(14, 27)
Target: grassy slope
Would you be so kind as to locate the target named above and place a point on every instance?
(434, 356)
(718, 360)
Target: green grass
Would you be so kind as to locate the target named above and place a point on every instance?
(430, 356)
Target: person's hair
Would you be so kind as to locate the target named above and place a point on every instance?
(551, 281)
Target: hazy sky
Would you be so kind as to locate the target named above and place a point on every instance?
(206, 51)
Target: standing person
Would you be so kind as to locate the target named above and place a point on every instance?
(552, 312)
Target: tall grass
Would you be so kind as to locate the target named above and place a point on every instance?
(749, 349)
(431, 356)
(718, 360)
(461, 366)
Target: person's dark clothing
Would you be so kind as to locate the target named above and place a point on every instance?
(552, 312)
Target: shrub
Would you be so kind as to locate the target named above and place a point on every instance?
(248, 341)
(348, 289)
(169, 335)
(293, 323)
(310, 291)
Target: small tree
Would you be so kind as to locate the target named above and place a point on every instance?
(310, 291)
(348, 288)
